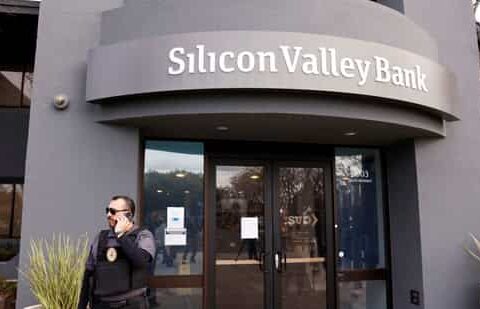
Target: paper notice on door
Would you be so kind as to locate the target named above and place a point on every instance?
(175, 217)
(249, 228)
(175, 237)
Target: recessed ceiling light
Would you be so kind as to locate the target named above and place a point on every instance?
(254, 177)
(352, 133)
(159, 191)
(180, 175)
(222, 128)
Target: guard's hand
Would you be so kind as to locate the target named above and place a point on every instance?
(123, 225)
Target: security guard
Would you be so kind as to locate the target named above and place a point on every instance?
(119, 261)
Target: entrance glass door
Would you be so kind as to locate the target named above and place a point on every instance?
(240, 237)
(300, 239)
(271, 236)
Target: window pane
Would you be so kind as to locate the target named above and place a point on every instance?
(17, 215)
(10, 88)
(6, 194)
(27, 88)
(360, 209)
(362, 295)
(174, 182)
(9, 248)
(181, 298)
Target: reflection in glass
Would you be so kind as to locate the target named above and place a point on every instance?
(6, 196)
(174, 178)
(178, 298)
(9, 245)
(303, 239)
(238, 275)
(15, 88)
(360, 227)
(362, 295)
(10, 88)
(17, 213)
(359, 209)
(9, 256)
(27, 88)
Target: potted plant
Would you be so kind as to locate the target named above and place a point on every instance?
(8, 290)
(55, 271)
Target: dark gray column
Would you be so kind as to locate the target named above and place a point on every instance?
(403, 211)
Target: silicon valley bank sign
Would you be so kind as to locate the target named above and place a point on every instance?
(280, 61)
(325, 62)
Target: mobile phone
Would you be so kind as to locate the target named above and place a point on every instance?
(129, 217)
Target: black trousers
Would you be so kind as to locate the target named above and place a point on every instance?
(133, 303)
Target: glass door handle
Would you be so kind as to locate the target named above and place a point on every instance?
(280, 262)
(277, 262)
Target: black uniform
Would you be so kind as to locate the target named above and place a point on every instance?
(117, 270)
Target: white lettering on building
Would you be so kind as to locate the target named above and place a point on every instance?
(324, 62)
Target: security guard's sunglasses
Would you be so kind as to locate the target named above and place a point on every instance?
(114, 211)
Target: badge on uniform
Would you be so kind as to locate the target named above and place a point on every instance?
(111, 255)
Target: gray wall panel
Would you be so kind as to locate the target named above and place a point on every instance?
(448, 170)
(358, 19)
(13, 143)
(74, 165)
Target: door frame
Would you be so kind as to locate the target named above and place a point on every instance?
(269, 155)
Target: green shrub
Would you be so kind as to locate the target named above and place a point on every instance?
(55, 271)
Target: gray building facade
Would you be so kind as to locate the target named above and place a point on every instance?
(321, 154)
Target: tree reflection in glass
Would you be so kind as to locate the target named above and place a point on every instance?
(239, 194)
(174, 178)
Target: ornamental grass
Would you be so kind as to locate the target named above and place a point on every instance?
(55, 271)
(475, 255)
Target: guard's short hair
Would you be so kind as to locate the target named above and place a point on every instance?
(128, 200)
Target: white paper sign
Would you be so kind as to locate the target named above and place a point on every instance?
(249, 228)
(175, 217)
(175, 237)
